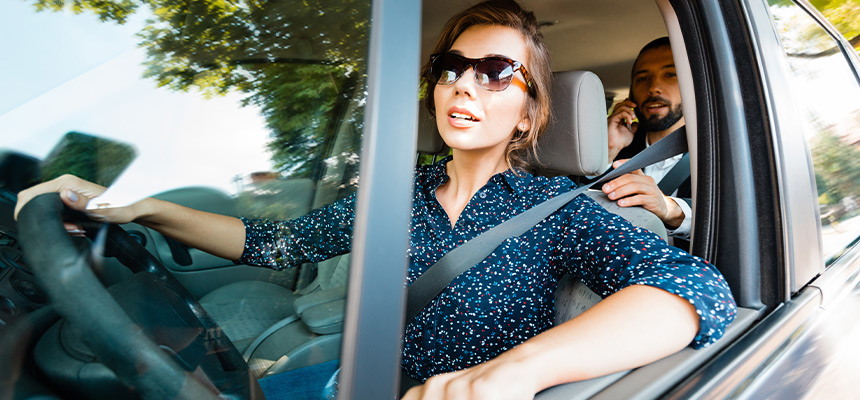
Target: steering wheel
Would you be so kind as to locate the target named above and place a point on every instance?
(128, 340)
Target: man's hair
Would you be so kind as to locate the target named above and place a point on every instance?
(506, 13)
(654, 44)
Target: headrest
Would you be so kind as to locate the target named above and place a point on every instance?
(429, 140)
(575, 142)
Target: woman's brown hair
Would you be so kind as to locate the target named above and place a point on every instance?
(509, 14)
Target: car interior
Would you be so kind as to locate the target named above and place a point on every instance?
(279, 320)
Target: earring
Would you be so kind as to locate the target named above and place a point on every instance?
(523, 126)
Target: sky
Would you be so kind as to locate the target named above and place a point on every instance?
(64, 72)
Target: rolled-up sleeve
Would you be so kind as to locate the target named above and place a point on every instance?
(610, 254)
(319, 235)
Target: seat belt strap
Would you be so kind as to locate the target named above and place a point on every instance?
(463, 257)
(676, 176)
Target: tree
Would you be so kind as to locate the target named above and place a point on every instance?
(300, 61)
(808, 38)
(837, 166)
(843, 15)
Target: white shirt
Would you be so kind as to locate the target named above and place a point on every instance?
(659, 170)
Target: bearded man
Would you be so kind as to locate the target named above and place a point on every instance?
(652, 111)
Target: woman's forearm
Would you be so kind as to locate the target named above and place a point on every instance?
(216, 234)
(633, 327)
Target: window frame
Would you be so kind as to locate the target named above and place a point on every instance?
(375, 307)
(844, 46)
(749, 364)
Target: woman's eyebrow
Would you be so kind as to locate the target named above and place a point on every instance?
(460, 53)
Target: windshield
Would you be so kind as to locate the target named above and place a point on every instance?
(244, 108)
(208, 95)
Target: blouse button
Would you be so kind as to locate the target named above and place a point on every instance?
(482, 195)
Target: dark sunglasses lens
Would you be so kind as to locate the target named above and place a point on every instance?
(447, 68)
(494, 74)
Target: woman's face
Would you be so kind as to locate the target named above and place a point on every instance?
(471, 118)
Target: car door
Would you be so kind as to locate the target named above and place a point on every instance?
(759, 186)
(795, 68)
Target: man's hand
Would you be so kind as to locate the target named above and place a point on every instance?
(621, 127)
(638, 189)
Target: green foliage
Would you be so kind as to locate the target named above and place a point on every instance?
(843, 14)
(802, 36)
(837, 166)
(298, 60)
(107, 10)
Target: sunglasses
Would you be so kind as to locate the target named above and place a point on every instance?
(491, 73)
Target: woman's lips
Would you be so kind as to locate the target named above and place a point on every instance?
(459, 122)
(461, 118)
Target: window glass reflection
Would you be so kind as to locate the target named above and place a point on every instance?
(842, 14)
(246, 108)
(827, 90)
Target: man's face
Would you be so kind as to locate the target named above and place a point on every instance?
(655, 91)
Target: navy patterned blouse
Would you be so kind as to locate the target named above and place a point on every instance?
(508, 297)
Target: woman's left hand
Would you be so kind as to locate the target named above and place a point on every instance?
(495, 379)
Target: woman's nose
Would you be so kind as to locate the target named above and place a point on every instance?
(467, 84)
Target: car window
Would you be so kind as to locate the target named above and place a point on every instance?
(252, 109)
(826, 89)
(842, 14)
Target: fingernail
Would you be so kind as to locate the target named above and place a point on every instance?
(72, 196)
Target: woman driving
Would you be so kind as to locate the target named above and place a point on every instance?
(490, 334)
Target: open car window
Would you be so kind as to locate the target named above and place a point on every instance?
(220, 102)
(249, 109)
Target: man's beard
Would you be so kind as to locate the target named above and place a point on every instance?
(656, 123)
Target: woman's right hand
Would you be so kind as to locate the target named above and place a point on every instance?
(221, 235)
(76, 193)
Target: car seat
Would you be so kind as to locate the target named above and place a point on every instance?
(576, 144)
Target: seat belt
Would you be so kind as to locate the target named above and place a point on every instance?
(460, 259)
(676, 176)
